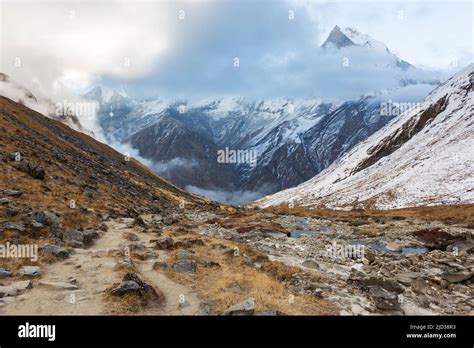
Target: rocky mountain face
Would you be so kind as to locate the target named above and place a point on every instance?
(422, 157)
(292, 139)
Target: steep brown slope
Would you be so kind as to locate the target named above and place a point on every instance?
(83, 179)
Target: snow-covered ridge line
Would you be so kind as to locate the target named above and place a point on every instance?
(433, 166)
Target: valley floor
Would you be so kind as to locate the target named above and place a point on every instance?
(256, 262)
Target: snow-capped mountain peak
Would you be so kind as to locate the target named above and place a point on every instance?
(364, 40)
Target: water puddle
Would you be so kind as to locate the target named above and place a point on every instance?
(380, 246)
(299, 233)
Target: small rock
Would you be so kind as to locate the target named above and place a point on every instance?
(74, 238)
(310, 264)
(132, 284)
(59, 285)
(45, 217)
(407, 277)
(244, 308)
(394, 246)
(185, 255)
(126, 287)
(89, 236)
(169, 220)
(36, 225)
(210, 264)
(165, 243)
(159, 265)
(30, 271)
(4, 273)
(457, 277)
(56, 251)
(191, 243)
(13, 226)
(12, 193)
(185, 266)
(131, 236)
(15, 288)
(420, 285)
(271, 313)
(33, 170)
(384, 299)
(204, 310)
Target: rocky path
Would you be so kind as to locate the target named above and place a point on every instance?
(76, 286)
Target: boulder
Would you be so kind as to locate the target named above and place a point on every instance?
(33, 170)
(15, 288)
(394, 246)
(55, 251)
(74, 238)
(457, 277)
(185, 266)
(45, 217)
(132, 284)
(30, 271)
(89, 236)
(126, 287)
(436, 238)
(383, 299)
(4, 273)
(165, 243)
(244, 308)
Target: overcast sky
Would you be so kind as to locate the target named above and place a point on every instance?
(188, 49)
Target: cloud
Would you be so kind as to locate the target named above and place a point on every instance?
(187, 49)
(226, 197)
(176, 163)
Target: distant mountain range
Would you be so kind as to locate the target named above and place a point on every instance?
(293, 139)
(423, 157)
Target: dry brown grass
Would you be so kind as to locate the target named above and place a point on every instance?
(132, 304)
(235, 281)
(450, 214)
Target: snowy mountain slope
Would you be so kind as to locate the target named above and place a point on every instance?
(423, 157)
